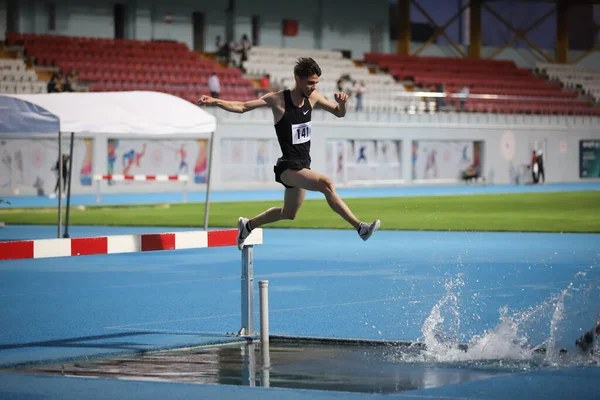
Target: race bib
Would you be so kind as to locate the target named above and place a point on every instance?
(301, 132)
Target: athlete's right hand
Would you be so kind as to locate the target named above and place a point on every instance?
(340, 97)
(205, 100)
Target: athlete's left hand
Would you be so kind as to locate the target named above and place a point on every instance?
(340, 97)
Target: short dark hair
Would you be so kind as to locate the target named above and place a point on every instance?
(306, 67)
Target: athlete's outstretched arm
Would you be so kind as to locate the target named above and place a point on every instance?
(236, 106)
(339, 109)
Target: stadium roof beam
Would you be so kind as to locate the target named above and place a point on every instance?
(439, 29)
(596, 47)
(562, 33)
(520, 33)
(475, 9)
(475, 30)
(562, 30)
(571, 2)
(403, 46)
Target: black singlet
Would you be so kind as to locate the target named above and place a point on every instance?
(294, 129)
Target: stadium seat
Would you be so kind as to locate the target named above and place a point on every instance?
(119, 64)
(490, 77)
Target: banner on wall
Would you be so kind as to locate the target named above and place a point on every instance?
(28, 165)
(335, 151)
(248, 160)
(364, 160)
(157, 157)
(290, 27)
(589, 158)
(444, 159)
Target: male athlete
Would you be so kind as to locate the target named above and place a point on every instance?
(292, 111)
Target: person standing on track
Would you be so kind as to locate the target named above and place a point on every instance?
(65, 174)
(292, 111)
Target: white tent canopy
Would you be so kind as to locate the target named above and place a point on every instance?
(139, 113)
(19, 117)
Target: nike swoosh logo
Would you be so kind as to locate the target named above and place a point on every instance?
(305, 112)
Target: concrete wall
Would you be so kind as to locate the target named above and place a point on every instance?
(558, 137)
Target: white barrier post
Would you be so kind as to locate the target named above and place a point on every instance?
(60, 178)
(247, 292)
(264, 312)
(248, 367)
(266, 367)
(208, 174)
(264, 333)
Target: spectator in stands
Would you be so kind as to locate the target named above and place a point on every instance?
(214, 85)
(440, 102)
(360, 92)
(222, 51)
(75, 80)
(344, 84)
(245, 42)
(244, 50)
(265, 83)
(53, 83)
(67, 85)
(234, 54)
(464, 91)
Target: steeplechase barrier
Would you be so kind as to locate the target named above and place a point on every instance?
(139, 178)
(118, 244)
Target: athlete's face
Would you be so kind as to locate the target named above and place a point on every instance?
(307, 85)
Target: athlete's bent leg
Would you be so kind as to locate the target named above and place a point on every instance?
(311, 180)
(292, 201)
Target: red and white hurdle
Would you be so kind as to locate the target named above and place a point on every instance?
(118, 244)
(140, 178)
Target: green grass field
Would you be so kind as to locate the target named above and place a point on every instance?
(539, 212)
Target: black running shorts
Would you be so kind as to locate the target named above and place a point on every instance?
(283, 165)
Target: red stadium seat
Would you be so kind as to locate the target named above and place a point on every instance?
(166, 66)
(498, 77)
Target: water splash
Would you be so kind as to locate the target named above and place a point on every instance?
(557, 317)
(521, 339)
(441, 329)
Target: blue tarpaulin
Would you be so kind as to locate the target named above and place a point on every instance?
(20, 117)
